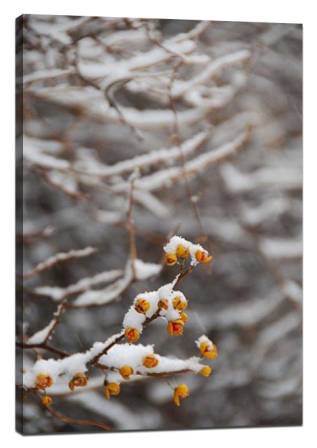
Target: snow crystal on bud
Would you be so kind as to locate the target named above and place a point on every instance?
(202, 339)
(174, 242)
(133, 319)
(126, 354)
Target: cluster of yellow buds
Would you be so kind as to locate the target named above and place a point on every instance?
(43, 380)
(132, 334)
(181, 253)
(177, 250)
(180, 392)
(126, 371)
(150, 361)
(142, 305)
(175, 327)
(78, 380)
(111, 389)
(46, 400)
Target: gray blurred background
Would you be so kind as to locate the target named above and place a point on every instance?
(99, 91)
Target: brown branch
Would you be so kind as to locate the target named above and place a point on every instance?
(177, 137)
(43, 346)
(75, 421)
(131, 230)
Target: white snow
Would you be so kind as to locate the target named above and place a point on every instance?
(146, 270)
(133, 319)
(126, 354)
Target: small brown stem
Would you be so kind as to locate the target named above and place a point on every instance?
(131, 230)
(43, 346)
(76, 421)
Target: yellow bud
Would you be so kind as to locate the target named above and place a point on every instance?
(46, 400)
(132, 334)
(175, 327)
(150, 361)
(206, 371)
(111, 389)
(78, 380)
(184, 317)
(179, 303)
(203, 256)
(170, 259)
(208, 350)
(43, 380)
(142, 306)
(163, 304)
(180, 392)
(125, 371)
(182, 251)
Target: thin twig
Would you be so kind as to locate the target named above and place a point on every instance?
(131, 230)
(43, 346)
(76, 421)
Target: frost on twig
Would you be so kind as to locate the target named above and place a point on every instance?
(60, 257)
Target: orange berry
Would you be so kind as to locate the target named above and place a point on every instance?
(208, 350)
(125, 371)
(46, 400)
(206, 371)
(180, 392)
(203, 256)
(142, 306)
(43, 381)
(162, 304)
(78, 380)
(111, 389)
(170, 259)
(132, 334)
(179, 303)
(175, 327)
(150, 361)
(182, 251)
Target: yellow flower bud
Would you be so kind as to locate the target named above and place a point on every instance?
(78, 380)
(111, 389)
(208, 350)
(170, 259)
(132, 334)
(175, 327)
(125, 371)
(142, 306)
(179, 303)
(43, 380)
(46, 400)
(184, 317)
(162, 304)
(203, 256)
(150, 361)
(180, 392)
(206, 371)
(182, 251)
